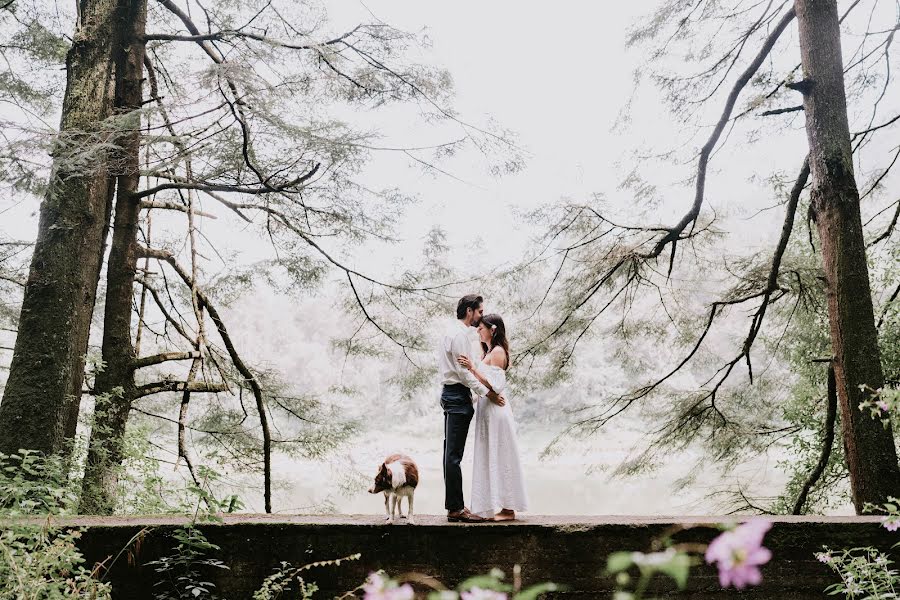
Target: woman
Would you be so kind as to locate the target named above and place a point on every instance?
(498, 484)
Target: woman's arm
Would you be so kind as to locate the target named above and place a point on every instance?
(465, 362)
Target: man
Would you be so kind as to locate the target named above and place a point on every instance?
(456, 400)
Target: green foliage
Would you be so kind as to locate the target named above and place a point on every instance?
(39, 561)
(43, 563)
(805, 339)
(288, 579)
(671, 562)
(182, 574)
(866, 573)
(31, 484)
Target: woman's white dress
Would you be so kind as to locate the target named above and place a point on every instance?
(497, 478)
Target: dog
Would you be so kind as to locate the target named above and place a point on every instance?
(397, 477)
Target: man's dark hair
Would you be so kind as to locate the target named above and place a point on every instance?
(468, 301)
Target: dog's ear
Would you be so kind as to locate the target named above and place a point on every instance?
(385, 472)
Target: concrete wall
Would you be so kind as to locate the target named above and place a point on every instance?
(567, 550)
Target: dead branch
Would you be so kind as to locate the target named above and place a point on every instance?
(249, 378)
(12, 279)
(291, 187)
(182, 423)
(179, 386)
(780, 111)
(827, 443)
(156, 359)
(151, 204)
(234, 33)
(169, 318)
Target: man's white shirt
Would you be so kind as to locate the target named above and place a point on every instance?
(456, 340)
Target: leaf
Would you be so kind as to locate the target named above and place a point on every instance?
(536, 590)
(678, 569)
(486, 582)
(618, 561)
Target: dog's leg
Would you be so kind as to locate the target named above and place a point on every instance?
(395, 500)
(409, 500)
(387, 510)
(400, 507)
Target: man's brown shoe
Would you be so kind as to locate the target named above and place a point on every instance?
(465, 516)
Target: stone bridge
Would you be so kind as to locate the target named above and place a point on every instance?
(568, 550)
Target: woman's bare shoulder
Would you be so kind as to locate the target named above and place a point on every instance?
(497, 357)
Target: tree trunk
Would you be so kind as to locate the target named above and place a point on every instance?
(43, 390)
(115, 388)
(871, 454)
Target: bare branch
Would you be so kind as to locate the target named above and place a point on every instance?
(290, 187)
(249, 378)
(151, 204)
(232, 33)
(169, 318)
(887, 306)
(156, 359)
(780, 111)
(827, 443)
(178, 386)
(12, 279)
(890, 228)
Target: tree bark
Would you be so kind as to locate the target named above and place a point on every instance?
(43, 392)
(871, 453)
(115, 388)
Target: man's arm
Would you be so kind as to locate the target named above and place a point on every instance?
(460, 346)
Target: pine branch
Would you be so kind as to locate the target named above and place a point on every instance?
(709, 146)
(290, 187)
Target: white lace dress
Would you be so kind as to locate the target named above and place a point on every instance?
(497, 478)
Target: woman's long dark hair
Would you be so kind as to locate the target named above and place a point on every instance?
(498, 335)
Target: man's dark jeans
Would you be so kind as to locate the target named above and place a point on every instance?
(456, 400)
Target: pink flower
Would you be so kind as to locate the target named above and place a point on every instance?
(739, 552)
(477, 593)
(891, 523)
(882, 405)
(379, 587)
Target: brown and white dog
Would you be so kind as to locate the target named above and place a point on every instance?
(397, 477)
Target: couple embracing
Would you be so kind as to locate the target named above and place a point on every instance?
(477, 387)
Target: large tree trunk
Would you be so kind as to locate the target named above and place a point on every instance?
(871, 454)
(43, 390)
(115, 388)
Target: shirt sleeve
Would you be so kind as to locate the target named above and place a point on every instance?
(459, 345)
